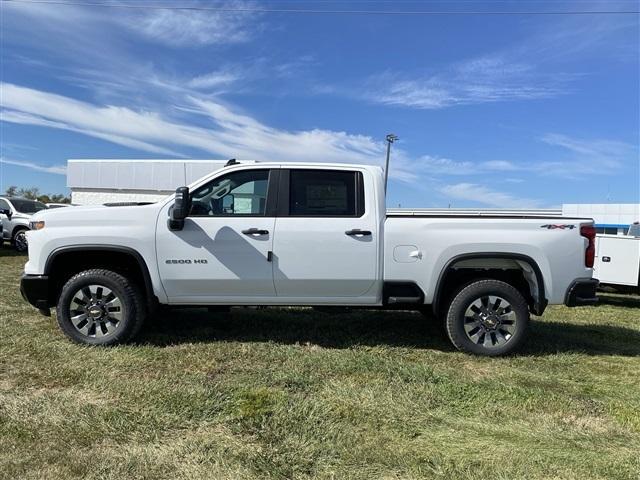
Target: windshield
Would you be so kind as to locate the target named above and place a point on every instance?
(27, 206)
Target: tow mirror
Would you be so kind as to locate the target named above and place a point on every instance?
(180, 209)
(7, 212)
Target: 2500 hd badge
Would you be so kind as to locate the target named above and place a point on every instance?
(186, 261)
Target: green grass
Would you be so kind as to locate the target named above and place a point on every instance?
(278, 393)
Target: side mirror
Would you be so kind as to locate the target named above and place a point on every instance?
(7, 212)
(180, 209)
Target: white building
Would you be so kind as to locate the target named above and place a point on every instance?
(610, 218)
(94, 182)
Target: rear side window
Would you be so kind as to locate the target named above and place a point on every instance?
(325, 193)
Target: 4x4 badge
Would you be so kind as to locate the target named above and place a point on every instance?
(558, 227)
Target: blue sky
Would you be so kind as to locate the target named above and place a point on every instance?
(491, 110)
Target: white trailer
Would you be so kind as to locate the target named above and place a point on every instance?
(618, 259)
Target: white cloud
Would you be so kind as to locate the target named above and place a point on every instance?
(230, 134)
(500, 166)
(473, 192)
(593, 148)
(533, 68)
(444, 166)
(195, 28)
(219, 78)
(56, 169)
(578, 158)
(182, 28)
(478, 80)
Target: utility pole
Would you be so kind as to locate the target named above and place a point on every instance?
(390, 139)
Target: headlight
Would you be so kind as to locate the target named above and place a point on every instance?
(36, 225)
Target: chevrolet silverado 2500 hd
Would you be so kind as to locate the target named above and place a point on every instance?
(303, 234)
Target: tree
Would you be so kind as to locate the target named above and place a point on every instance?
(33, 193)
(29, 193)
(59, 198)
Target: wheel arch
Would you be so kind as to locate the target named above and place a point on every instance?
(537, 301)
(17, 228)
(114, 257)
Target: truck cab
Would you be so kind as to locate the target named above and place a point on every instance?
(284, 235)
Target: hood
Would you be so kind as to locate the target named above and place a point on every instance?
(90, 214)
(23, 216)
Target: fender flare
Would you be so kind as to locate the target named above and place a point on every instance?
(539, 305)
(144, 268)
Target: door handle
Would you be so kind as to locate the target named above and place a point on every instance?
(357, 232)
(255, 231)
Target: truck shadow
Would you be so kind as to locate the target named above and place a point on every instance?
(626, 301)
(349, 328)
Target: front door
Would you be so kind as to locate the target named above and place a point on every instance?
(326, 242)
(223, 251)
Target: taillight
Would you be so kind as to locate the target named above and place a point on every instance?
(589, 232)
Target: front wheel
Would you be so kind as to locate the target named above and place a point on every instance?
(20, 241)
(100, 307)
(487, 317)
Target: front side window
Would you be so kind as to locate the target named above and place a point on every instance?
(325, 193)
(238, 193)
(4, 205)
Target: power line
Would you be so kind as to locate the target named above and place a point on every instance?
(322, 11)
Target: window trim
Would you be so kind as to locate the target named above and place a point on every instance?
(270, 203)
(284, 193)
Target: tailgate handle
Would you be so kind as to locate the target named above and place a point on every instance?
(357, 232)
(255, 231)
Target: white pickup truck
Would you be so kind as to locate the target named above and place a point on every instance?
(303, 234)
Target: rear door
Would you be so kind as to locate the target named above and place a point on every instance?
(326, 241)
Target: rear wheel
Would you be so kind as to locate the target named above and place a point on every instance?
(487, 317)
(100, 307)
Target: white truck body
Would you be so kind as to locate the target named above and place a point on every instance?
(403, 258)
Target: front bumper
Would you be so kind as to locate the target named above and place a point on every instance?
(35, 290)
(581, 292)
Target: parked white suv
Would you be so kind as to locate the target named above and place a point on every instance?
(15, 214)
(304, 234)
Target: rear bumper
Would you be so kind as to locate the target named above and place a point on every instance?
(581, 292)
(35, 290)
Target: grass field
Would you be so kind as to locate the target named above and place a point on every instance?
(278, 393)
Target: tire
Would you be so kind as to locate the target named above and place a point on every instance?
(488, 318)
(19, 240)
(100, 307)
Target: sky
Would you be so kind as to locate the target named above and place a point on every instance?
(491, 109)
